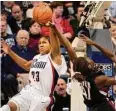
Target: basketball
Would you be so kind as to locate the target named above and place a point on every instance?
(42, 13)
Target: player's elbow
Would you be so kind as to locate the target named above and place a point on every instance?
(27, 68)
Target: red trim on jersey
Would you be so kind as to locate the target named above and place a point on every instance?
(53, 73)
(52, 89)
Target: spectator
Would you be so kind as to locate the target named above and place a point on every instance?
(35, 32)
(112, 11)
(61, 96)
(10, 39)
(4, 16)
(61, 23)
(15, 21)
(6, 6)
(113, 37)
(75, 22)
(10, 69)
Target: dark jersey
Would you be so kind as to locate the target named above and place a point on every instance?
(91, 93)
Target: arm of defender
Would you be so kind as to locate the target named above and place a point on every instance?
(66, 43)
(103, 80)
(106, 52)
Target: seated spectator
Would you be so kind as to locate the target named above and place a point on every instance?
(61, 96)
(75, 22)
(10, 69)
(9, 38)
(6, 6)
(113, 37)
(35, 32)
(4, 16)
(112, 11)
(15, 20)
(61, 23)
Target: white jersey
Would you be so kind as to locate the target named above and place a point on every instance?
(44, 73)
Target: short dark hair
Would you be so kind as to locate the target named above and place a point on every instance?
(16, 5)
(27, 23)
(55, 4)
(80, 6)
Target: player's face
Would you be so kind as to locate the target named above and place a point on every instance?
(44, 46)
(61, 87)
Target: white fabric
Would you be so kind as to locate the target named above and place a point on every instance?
(42, 65)
(30, 99)
(35, 97)
(5, 108)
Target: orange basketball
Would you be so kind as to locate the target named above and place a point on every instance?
(42, 13)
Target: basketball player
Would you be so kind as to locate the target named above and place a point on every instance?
(44, 71)
(90, 78)
(92, 81)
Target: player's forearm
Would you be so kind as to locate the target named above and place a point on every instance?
(20, 61)
(106, 52)
(67, 44)
(54, 42)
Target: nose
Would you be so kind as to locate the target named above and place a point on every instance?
(41, 45)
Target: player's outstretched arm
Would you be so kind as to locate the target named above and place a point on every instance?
(20, 61)
(104, 80)
(64, 41)
(55, 47)
(106, 52)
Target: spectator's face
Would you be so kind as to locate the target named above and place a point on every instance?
(61, 87)
(8, 4)
(58, 11)
(22, 38)
(35, 29)
(17, 13)
(44, 46)
(113, 32)
(80, 11)
(3, 26)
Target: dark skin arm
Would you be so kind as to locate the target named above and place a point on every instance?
(105, 51)
(103, 80)
(64, 41)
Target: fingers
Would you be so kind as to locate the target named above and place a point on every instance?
(48, 24)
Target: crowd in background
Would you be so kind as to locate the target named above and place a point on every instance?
(22, 34)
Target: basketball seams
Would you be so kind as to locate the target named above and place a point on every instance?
(42, 13)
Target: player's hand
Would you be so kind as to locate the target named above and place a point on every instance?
(86, 39)
(5, 47)
(48, 24)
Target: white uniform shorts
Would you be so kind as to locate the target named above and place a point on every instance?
(31, 99)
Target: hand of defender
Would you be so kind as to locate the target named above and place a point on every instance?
(86, 39)
(48, 24)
